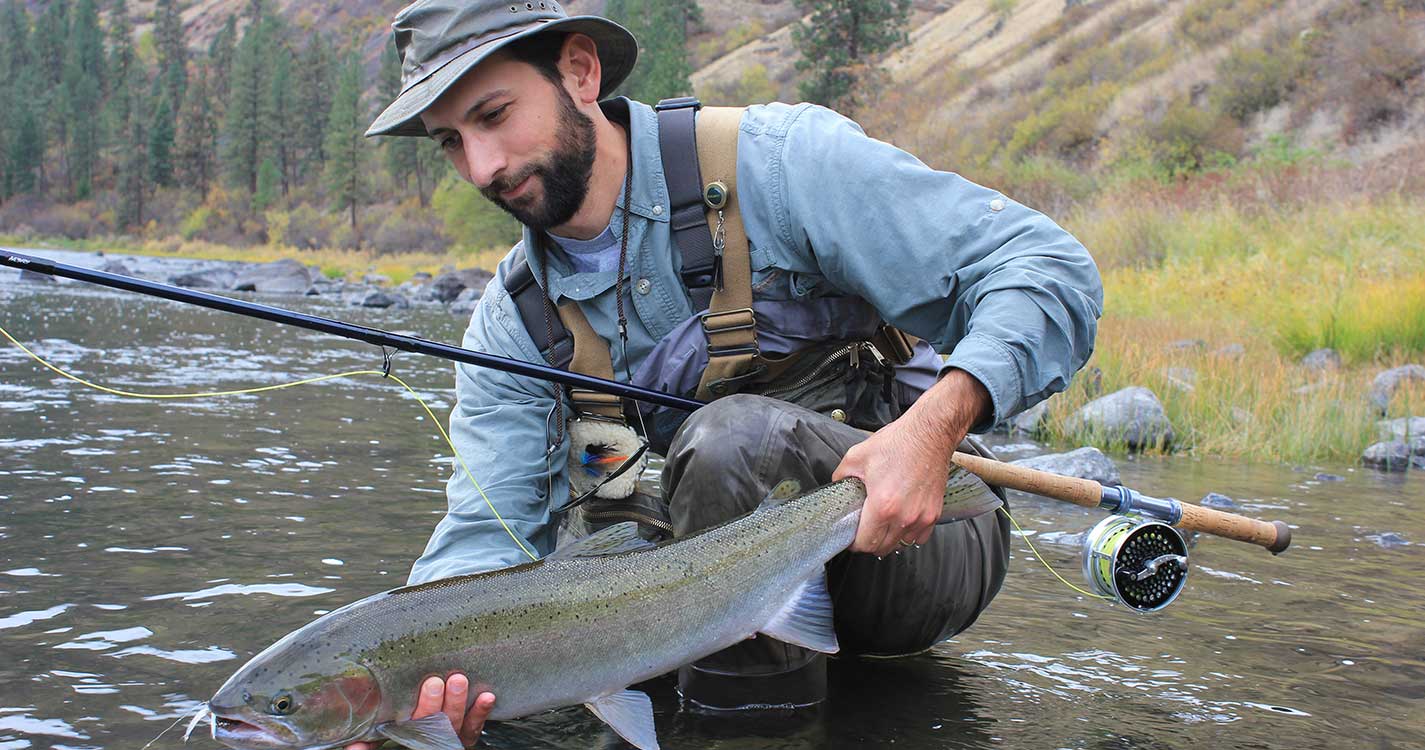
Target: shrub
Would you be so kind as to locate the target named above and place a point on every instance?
(307, 227)
(1252, 79)
(409, 228)
(1207, 22)
(1190, 139)
(1377, 65)
(1067, 127)
(471, 222)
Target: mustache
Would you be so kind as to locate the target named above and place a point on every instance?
(510, 182)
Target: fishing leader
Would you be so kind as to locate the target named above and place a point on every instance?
(895, 309)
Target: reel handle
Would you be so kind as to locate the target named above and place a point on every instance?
(1275, 536)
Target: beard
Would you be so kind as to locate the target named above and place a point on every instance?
(564, 173)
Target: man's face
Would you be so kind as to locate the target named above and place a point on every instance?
(519, 138)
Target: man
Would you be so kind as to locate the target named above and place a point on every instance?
(845, 232)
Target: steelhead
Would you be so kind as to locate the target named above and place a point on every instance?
(579, 626)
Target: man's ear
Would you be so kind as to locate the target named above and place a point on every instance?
(579, 62)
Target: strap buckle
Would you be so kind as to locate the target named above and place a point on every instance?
(716, 324)
(679, 102)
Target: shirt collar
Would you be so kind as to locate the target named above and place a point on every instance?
(649, 201)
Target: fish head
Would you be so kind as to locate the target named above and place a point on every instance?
(308, 701)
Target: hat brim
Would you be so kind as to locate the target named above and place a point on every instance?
(618, 51)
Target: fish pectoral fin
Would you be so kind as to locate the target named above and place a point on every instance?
(784, 490)
(621, 537)
(431, 733)
(806, 619)
(630, 714)
(966, 496)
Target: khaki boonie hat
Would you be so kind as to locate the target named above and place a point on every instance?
(441, 40)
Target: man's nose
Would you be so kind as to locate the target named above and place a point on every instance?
(482, 163)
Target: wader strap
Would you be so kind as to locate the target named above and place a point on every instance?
(591, 357)
(895, 345)
(677, 144)
(529, 300)
(729, 323)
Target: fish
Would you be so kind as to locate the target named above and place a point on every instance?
(578, 627)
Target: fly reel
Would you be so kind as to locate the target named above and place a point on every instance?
(1138, 562)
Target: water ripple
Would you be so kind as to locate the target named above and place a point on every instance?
(230, 589)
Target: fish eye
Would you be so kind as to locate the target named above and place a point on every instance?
(283, 704)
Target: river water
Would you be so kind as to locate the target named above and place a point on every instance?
(148, 548)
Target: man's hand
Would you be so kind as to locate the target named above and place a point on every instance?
(448, 697)
(905, 464)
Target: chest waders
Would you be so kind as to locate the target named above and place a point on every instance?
(809, 408)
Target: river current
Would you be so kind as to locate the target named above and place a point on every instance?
(148, 548)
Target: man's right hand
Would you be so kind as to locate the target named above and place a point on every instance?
(448, 697)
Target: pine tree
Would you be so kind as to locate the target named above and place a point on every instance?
(316, 96)
(26, 149)
(83, 71)
(220, 56)
(197, 136)
(50, 41)
(14, 65)
(661, 27)
(344, 147)
(160, 138)
(172, 51)
(133, 160)
(119, 106)
(267, 179)
(282, 115)
(247, 107)
(402, 155)
(840, 41)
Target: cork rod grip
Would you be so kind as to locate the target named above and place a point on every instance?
(1273, 535)
(1085, 492)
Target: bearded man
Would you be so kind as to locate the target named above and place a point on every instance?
(847, 238)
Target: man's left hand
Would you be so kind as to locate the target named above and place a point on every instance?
(904, 465)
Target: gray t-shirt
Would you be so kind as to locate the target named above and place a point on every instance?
(591, 256)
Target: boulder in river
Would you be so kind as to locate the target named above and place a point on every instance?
(35, 277)
(1030, 421)
(448, 286)
(379, 299)
(217, 277)
(1386, 383)
(1400, 429)
(1217, 500)
(116, 267)
(1133, 415)
(1084, 463)
(284, 276)
(1388, 456)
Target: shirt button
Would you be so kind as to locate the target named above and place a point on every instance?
(644, 286)
(657, 210)
(996, 205)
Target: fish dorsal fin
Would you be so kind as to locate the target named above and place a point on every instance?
(431, 733)
(966, 496)
(784, 491)
(630, 714)
(806, 619)
(621, 537)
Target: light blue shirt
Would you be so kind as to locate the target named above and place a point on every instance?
(831, 215)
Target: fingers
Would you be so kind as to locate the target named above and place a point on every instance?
(431, 699)
(455, 689)
(474, 722)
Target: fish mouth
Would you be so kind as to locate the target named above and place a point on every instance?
(235, 732)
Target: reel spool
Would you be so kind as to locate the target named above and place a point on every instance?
(1138, 562)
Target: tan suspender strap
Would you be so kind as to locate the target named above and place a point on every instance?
(591, 357)
(729, 322)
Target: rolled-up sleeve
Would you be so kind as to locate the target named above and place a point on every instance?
(498, 427)
(1007, 294)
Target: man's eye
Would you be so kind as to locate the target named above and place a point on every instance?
(448, 144)
(495, 114)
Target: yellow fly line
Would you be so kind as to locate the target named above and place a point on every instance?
(306, 381)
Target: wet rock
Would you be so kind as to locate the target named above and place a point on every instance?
(1322, 360)
(1084, 463)
(1324, 477)
(284, 276)
(1030, 421)
(448, 286)
(1217, 500)
(1391, 456)
(376, 279)
(1388, 540)
(35, 278)
(220, 277)
(1133, 415)
(1400, 429)
(1384, 386)
(1181, 378)
(116, 267)
(420, 277)
(381, 299)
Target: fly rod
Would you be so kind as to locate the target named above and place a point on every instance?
(1275, 536)
(348, 330)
